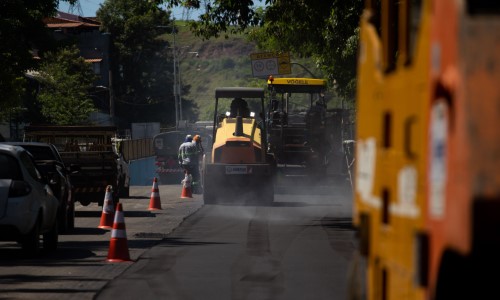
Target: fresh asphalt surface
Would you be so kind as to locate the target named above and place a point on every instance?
(79, 268)
(298, 248)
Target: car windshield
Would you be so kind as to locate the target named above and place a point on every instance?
(10, 168)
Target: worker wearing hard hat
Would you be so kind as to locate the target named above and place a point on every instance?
(188, 155)
(199, 146)
(196, 175)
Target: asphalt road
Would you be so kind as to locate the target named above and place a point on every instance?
(299, 248)
(79, 269)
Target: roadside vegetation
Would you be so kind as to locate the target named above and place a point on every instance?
(213, 51)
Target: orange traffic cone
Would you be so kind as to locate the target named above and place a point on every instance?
(108, 210)
(118, 248)
(155, 203)
(186, 186)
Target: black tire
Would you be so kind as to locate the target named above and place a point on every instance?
(30, 243)
(208, 198)
(71, 216)
(269, 195)
(453, 281)
(266, 193)
(51, 238)
(208, 195)
(62, 218)
(124, 192)
(85, 202)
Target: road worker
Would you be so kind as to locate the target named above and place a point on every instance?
(239, 107)
(199, 146)
(188, 157)
(196, 176)
(315, 120)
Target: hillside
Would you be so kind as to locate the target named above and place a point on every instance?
(220, 62)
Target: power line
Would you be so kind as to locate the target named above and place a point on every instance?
(75, 7)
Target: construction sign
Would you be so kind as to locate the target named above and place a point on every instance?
(270, 63)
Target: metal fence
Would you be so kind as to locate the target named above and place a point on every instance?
(137, 149)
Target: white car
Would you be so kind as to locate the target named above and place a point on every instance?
(28, 208)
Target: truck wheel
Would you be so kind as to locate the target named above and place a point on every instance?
(452, 279)
(51, 238)
(30, 243)
(208, 196)
(124, 192)
(84, 202)
(268, 193)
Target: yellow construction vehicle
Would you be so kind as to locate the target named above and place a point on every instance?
(239, 168)
(298, 135)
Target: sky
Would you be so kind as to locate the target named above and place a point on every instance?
(89, 8)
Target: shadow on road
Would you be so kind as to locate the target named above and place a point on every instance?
(179, 242)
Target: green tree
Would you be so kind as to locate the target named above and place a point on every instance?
(65, 81)
(326, 30)
(21, 32)
(142, 73)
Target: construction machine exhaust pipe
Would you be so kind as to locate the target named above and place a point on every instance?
(239, 126)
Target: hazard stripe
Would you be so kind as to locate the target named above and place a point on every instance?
(88, 190)
(118, 234)
(119, 217)
(119, 226)
(155, 194)
(161, 171)
(107, 210)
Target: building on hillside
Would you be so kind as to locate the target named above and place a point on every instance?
(94, 46)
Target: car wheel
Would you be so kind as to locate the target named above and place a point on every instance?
(62, 216)
(30, 243)
(71, 216)
(51, 237)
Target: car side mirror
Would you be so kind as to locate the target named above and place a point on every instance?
(52, 179)
(74, 169)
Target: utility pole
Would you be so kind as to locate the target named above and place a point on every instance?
(179, 93)
(177, 77)
(176, 94)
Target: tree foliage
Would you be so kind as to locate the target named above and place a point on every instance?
(66, 80)
(142, 77)
(326, 30)
(21, 31)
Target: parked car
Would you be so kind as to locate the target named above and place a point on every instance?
(49, 162)
(28, 207)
